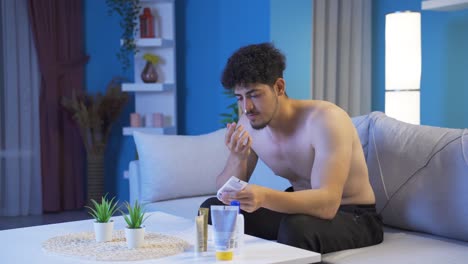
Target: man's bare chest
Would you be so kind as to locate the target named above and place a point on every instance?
(293, 161)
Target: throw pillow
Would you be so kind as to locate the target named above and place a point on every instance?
(175, 166)
(419, 176)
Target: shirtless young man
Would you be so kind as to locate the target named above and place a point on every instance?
(311, 143)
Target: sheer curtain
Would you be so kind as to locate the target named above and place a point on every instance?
(20, 172)
(341, 65)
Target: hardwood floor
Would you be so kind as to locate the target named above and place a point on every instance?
(10, 222)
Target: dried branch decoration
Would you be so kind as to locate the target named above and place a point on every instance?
(95, 114)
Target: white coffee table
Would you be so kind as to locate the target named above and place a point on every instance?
(23, 245)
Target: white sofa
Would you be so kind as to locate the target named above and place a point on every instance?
(184, 184)
(419, 175)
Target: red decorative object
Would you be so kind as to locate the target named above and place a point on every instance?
(146, 24)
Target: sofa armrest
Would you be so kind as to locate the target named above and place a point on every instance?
(134, 178)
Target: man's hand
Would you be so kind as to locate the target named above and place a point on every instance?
(238, 141)
(251, 197)
(226, 197)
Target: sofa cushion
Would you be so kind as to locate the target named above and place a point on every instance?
(404, 247)
(183, 207)
(362, 127)
(174, 166)
(420, 176)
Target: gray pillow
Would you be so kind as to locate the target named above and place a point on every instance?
(362, 127)
(420, 176)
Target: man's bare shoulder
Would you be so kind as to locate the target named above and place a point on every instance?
(322, 114)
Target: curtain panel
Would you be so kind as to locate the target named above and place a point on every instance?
(20, 177)
(342, 47)
(57, 27)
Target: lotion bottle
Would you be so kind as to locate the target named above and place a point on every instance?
(239, 238)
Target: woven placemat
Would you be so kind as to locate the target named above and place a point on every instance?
(83, 245)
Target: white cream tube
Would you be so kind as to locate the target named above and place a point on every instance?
(224, 219)
(234, 184)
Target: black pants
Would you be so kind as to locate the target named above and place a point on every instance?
(354, 226)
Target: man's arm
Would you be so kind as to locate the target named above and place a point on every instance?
(242, 159)
(333, 149)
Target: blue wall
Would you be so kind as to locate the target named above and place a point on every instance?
(444, 83)
(291, 32)
(444, 80)
(102, 34)
(213, 30)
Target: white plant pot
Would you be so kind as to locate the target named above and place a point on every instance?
(103, 231)
(135, 237)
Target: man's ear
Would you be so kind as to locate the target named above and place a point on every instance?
(280, 86)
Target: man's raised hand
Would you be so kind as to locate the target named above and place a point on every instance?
(238, 140)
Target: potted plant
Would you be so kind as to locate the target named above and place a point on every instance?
(149, 74)
(233, 109)
(102, 212)
(134, 231)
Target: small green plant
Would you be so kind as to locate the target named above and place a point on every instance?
(135, 216)
(233, 114)
(103, 211)
(154, 59)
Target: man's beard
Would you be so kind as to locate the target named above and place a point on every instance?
(259, 126)
(264, 124)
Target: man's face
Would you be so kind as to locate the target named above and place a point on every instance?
(258, 102)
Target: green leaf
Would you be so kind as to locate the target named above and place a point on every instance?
(226, 120)
(102, 212)
(135, 216)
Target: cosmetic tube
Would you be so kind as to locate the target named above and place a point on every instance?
(224, 219)
(199, 245)
(204, 212)
(234, 185)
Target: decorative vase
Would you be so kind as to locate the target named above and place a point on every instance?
(149, 74)
(146, 24)
(135, 120)
(95, 170)
(103, 231)
(135, 237)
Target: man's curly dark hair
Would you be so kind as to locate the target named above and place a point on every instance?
(257, 63)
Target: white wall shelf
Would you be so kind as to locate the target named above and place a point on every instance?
(147, 87)
(154, 42)
(160, 97)
(128, 131)
(444, 5)
(159, 1)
